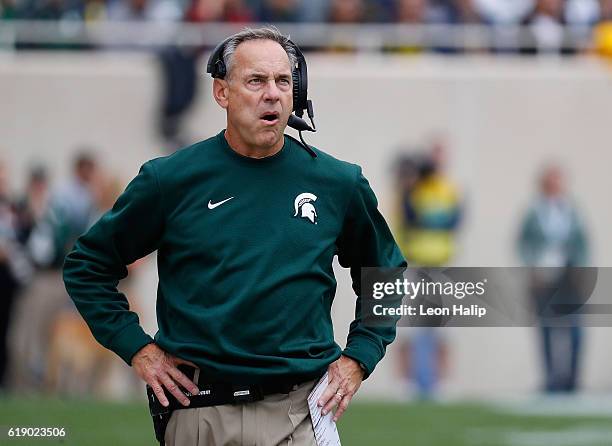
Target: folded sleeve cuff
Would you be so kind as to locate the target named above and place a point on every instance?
(128, 341)
(364, 351)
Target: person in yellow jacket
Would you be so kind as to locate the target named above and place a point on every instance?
(429, 211)
(428, 214)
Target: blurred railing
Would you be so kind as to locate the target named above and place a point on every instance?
(324, 36)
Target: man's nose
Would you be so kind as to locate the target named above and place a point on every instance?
(271, 92)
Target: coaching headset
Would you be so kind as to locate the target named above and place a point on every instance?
(217, 69)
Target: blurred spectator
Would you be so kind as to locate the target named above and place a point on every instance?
(344, 12)
(279, 11)
(464, 12)
(95, 10)
(179, 75)
(411, 11)
(504, 12)
(429, 211)
(407, 176)
(236, 11)
(137, 10)
(15, 269)
(314, 10)
(581, 16)
(70, 212)
(347, 11)
(205, 11)
(546, 28)
(8, 9)
(451, 12)
(505, 15)
(105, 189)
(67, 12)
(233, 11)
(51, 9)
(31, 207)
(552, 233)
(606, 10)
(581, 12)
(156, 11)
(76, 364)
(179, 89)
(552, 239)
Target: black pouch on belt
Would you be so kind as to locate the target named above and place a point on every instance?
(160, 414)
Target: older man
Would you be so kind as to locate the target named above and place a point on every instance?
(245, 225)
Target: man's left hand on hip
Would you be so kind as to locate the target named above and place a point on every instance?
(345, 377)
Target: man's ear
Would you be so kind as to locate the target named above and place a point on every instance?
(220, 92)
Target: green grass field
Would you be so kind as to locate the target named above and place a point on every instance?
(419, 424)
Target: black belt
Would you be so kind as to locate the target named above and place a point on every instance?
(212, 394)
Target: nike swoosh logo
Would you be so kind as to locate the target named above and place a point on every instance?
(212, 205)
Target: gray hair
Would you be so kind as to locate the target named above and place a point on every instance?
(265, 33)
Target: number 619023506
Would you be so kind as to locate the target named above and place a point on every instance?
(37, 432)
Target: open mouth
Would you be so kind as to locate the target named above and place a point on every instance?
(270, 117)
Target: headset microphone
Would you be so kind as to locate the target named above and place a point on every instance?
(299, 124)
(217, 69)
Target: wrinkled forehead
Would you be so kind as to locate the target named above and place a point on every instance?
(261, 56)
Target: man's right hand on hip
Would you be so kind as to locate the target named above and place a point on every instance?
(158, 369)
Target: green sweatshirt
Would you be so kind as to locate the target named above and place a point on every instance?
(244, 256)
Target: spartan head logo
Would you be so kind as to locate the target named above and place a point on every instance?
(304, 206)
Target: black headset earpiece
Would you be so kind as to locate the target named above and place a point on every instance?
(300, 82)
(217, 69)
(215, 66)
(220, 69)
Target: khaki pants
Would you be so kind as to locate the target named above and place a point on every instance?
(277, 420)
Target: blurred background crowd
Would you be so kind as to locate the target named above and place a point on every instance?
(551, 239)
(564, 26)
(575, 12)
(52, 347)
